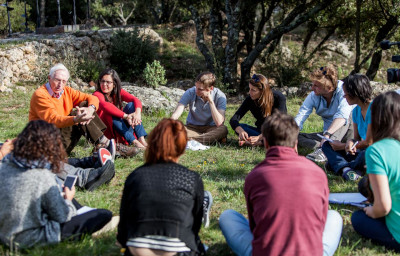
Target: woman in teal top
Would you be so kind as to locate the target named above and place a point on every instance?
(381, 221)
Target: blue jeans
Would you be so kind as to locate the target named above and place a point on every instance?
(236, 230)
(251, 131)
(374, 229)
(337, 160)
(124, 129)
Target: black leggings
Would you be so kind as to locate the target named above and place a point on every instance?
(86, 223)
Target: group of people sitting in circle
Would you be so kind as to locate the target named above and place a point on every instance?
(164, 204)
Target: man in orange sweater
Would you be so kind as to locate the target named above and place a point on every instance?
(54, 102)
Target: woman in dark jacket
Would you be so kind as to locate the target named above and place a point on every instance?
(261, 102)
(162, 202)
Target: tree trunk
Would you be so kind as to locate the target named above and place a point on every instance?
(298, 16)
(42, 13)
(330, 32)
(200, 39)
(374, 66)
(386, 31)
(312, 26)
(264, 18)
(233, 19)
(358, 47)
(216, 26)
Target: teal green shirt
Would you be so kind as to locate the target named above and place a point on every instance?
(383, 158)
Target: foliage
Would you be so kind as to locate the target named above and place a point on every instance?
(16, 17)
(89, 70)
(285, 66)
(130, 52)
(113, 13)
(154, 74)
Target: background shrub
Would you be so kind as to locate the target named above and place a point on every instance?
(89, 70)
(129, 54)
(154, 74)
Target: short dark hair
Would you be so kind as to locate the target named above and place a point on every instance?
(40, 142)
(358, 86)
(280, 129)
(207, 78)
(166, 142)
(385, 116)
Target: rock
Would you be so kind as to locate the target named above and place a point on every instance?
(340, 48)
(182, 84)
(160, 99)
(26, 61)
(378, 88)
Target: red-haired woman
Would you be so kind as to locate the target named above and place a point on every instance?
(162, 202)
(261, 102)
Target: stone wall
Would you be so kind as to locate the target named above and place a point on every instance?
(29, 57)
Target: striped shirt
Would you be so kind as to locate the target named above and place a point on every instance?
(162, 243)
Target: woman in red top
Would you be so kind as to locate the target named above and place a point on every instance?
(125, 125)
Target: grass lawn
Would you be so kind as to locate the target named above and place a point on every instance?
(222, 167)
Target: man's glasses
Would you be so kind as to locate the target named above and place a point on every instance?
(60, 81)
(106, 82)
(323, 71)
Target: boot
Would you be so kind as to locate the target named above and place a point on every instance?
(99, 176)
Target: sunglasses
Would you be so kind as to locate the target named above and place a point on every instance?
(255, 78)
(323, 71)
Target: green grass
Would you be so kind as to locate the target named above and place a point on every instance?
(222, 167)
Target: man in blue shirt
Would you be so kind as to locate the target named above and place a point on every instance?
(328, 100)
(207, 106)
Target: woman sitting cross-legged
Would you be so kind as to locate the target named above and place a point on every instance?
(125, 125)
(348, 159)
(261, 102)
(381, 221)
(162, 202)
(33, 209)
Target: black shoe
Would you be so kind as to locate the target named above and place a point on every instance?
(99, 176)
(328, 168)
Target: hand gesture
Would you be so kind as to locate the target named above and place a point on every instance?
(349, 148)
(69, 194)
(136, 118)
(84, 115)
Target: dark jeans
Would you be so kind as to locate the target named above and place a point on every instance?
(124, 129)
(374, 229)
(337, 160)
(93, 131)
(86, 223)
(251, 130)
(312, 141)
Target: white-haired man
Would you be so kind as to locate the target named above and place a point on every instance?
(54, 103)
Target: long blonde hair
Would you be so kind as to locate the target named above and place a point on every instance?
(266, 100)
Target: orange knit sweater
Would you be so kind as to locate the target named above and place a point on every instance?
(56, 111)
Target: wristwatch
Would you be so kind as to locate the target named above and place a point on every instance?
(93, 106)
(327, 133)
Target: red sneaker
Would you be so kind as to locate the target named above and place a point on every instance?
(104, 155)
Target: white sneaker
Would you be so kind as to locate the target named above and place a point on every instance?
(317, 156)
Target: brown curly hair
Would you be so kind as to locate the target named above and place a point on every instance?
(40, 141)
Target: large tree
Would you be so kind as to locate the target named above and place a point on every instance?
(243, 23)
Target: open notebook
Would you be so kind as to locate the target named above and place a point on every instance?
(355, 199)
